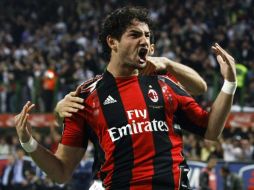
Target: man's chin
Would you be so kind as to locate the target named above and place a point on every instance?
(138, 65)
(141, 65)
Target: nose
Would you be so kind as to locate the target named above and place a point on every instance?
(144, 41)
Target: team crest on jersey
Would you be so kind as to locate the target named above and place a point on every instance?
(153, 95)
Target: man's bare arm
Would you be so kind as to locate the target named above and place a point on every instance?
(58, 167)
(222, 105)
(189, 79)
(218, 115)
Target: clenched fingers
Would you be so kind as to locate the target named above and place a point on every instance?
(71, 110)
(71, 97)
(66, 114)
(66, 106)
(77, 100)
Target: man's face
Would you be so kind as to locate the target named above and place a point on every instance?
(134, 45)
(20, 153)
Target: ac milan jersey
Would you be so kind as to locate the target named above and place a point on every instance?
(136, 126)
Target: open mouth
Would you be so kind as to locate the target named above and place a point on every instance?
(142, 55)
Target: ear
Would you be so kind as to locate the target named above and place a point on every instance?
(112, 43)
(151, 50)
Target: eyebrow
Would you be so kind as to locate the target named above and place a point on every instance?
(138, 31)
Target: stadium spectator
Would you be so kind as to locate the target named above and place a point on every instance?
(2, 88)
(230, 180)
(192, 147)
(218, 151)
(28, 35)
(250, 93)
(7, 174)
(5, 148)
(247, 149)
(82, 176)
(232, 149)
(49, 84)
(206, 149)
(127, 53)
(20, 170)
(207, 178)
(241, 73)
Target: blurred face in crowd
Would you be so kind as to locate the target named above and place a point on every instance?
(224, 172)
(20, 153)
(246, 144)
(11, 159)
(133, 47)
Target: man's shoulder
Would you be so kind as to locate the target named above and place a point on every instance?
(87, 87)
(167, 78)
(173, 84)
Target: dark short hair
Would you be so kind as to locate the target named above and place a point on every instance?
(116, 23)
(225, 168)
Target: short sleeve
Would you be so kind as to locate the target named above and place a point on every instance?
(75, 131)
(190, 116)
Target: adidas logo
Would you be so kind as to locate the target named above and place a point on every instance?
(109, 100)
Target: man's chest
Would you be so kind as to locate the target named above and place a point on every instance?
(129, 108)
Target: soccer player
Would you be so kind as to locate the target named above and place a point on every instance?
(71, 103)
(129, 117)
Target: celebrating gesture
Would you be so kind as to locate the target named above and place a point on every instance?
(130, 113)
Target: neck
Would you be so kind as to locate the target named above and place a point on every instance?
(121, 70)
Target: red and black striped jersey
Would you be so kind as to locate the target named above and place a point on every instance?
(136, 126)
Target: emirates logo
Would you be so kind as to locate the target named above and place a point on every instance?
(153, 95)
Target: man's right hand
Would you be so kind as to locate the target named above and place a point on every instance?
(155, 64)
(188, 78)
(70, 104)
(21, 124)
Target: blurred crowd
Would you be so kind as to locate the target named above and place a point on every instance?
(235, 144)
(48, 48)
(18, 171)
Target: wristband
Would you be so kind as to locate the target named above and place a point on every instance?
(30, 146)
(229, 87)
